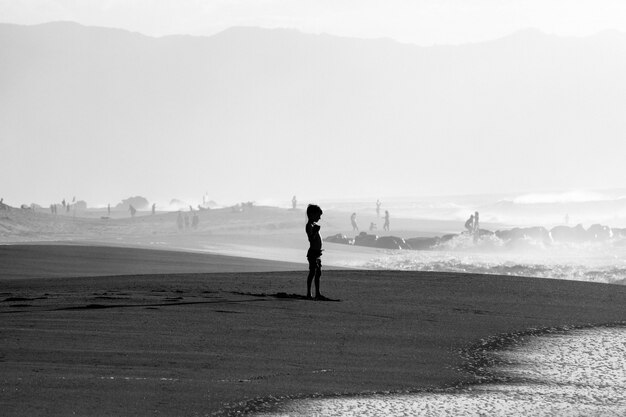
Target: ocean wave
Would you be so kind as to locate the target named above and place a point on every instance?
(591, 268)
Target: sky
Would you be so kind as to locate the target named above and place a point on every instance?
(423, 22)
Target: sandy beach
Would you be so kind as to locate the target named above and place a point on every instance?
(203, 343)
(133, 317)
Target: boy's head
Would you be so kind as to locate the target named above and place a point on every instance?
(313, 212)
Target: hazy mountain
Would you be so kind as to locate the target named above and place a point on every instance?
(255, 112)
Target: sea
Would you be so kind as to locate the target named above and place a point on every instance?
(594, 261)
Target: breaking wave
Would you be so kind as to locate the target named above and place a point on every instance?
(593, 262)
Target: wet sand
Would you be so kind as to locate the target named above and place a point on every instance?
(198, 343)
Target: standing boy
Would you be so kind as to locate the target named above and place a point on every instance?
(314, 213)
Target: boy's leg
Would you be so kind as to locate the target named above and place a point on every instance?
(309, 280)
(318, 274)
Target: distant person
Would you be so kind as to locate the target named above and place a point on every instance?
(469, 224)
(51, 208)
(294, 202)
(132, 210)
(386, 225)
(378, 208)
(67, 207)
(372, 226)
(353, 221)
(476, 227)
(108, 209)
(314, 213)
(63, 202)
(153, 208)
(179, 221)
(476, 223)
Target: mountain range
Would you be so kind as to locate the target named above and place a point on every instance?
(251, 113)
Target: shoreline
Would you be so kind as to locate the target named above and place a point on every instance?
(185, 343)
(481, 362)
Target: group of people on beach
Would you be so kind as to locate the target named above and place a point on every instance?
(66, 206)
(355, 226)
(312, 229)
(182, 221)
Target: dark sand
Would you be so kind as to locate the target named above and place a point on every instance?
(193, 344)
(72, 260)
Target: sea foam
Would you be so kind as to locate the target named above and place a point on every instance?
(603, 262)
(580, 373)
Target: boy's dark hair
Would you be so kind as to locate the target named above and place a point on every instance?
(313, 209)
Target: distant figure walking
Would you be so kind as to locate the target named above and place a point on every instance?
(476, 223)
(378, 208)
(132, 210)
(469, 224)
(476, 227)
(353, 221)
(153, 208)
(312, 229)
(386, 225)
(108, 209)
(294, 202)
(179, 221)
(372, 226)
(195, 220)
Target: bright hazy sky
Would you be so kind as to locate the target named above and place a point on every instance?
(422, 22)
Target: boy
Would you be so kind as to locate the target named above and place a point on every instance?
(314, 213)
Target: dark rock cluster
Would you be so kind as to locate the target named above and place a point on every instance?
(510, 237)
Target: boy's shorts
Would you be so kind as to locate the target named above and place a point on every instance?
(314, 263)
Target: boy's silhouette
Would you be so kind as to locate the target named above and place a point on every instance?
(314, 213)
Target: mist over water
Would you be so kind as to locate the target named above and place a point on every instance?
(545, 209)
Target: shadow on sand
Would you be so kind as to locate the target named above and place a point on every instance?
(285, 295)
